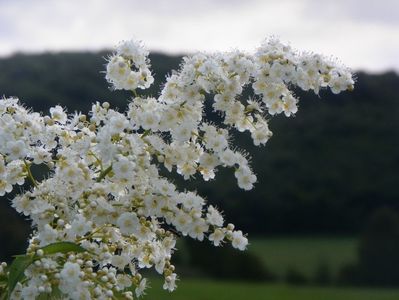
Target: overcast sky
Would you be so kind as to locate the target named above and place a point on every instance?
(364, 34)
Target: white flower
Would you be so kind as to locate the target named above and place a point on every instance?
(191, 200)
(70, 276)
(130, 54)
(214, 217)
(217, 236)
(170, 282)
(339, 83)
(128, 223)
(141, 288)
(48, 235)
(133, 50)
(15, 172)
(58, 114)
(290, 105)
(183, 132)
(260, 87)
(41, 155)
(16, 150)
(81, 293)
(208, 162)
(80, 226)
(123, 168)
(117, 71)
(228, 157)
(197, 229)
(123, 281)
(120, 261)
(275, 107)
(29, 292)
(187, 170)
(149, 120)
(239, 241)
(118, 123)
(132, 81)
(261, 134)
(245, 178)
(182, 221)
(5, 187)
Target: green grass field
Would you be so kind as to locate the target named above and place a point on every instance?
(304, 254)
(190, 289)
(280, 254)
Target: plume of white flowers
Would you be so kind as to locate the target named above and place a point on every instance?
(104, 193)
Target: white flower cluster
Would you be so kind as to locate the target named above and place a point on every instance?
(128, 68)
(104, 191)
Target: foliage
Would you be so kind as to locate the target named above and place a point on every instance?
(323, 275)
(378, 263)
(226, 263)
(295, 276)
(329, 156)
(304, 253)
(233, 290)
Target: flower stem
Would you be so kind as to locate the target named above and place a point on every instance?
(30, 175)
(104, 173)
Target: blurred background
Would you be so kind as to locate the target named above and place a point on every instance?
(323, 220)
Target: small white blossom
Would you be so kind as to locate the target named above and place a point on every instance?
(170, 282)
(30, 292)
(239, 241)
(214, 217)
(245, 178)
(80, 226)
(141, 288)
(128, 223)
(70, 275)
(217, 236)
(16, 150)
(48, 235)
(58, 114)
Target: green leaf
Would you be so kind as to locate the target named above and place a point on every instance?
(43, 297)
(17, 269)
(21, 262)
(4, 294)
(62, 247)
(56, 293)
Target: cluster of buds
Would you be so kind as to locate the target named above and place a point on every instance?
(104, 192)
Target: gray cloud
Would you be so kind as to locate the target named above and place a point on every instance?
(367, 11)
(355, 31)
